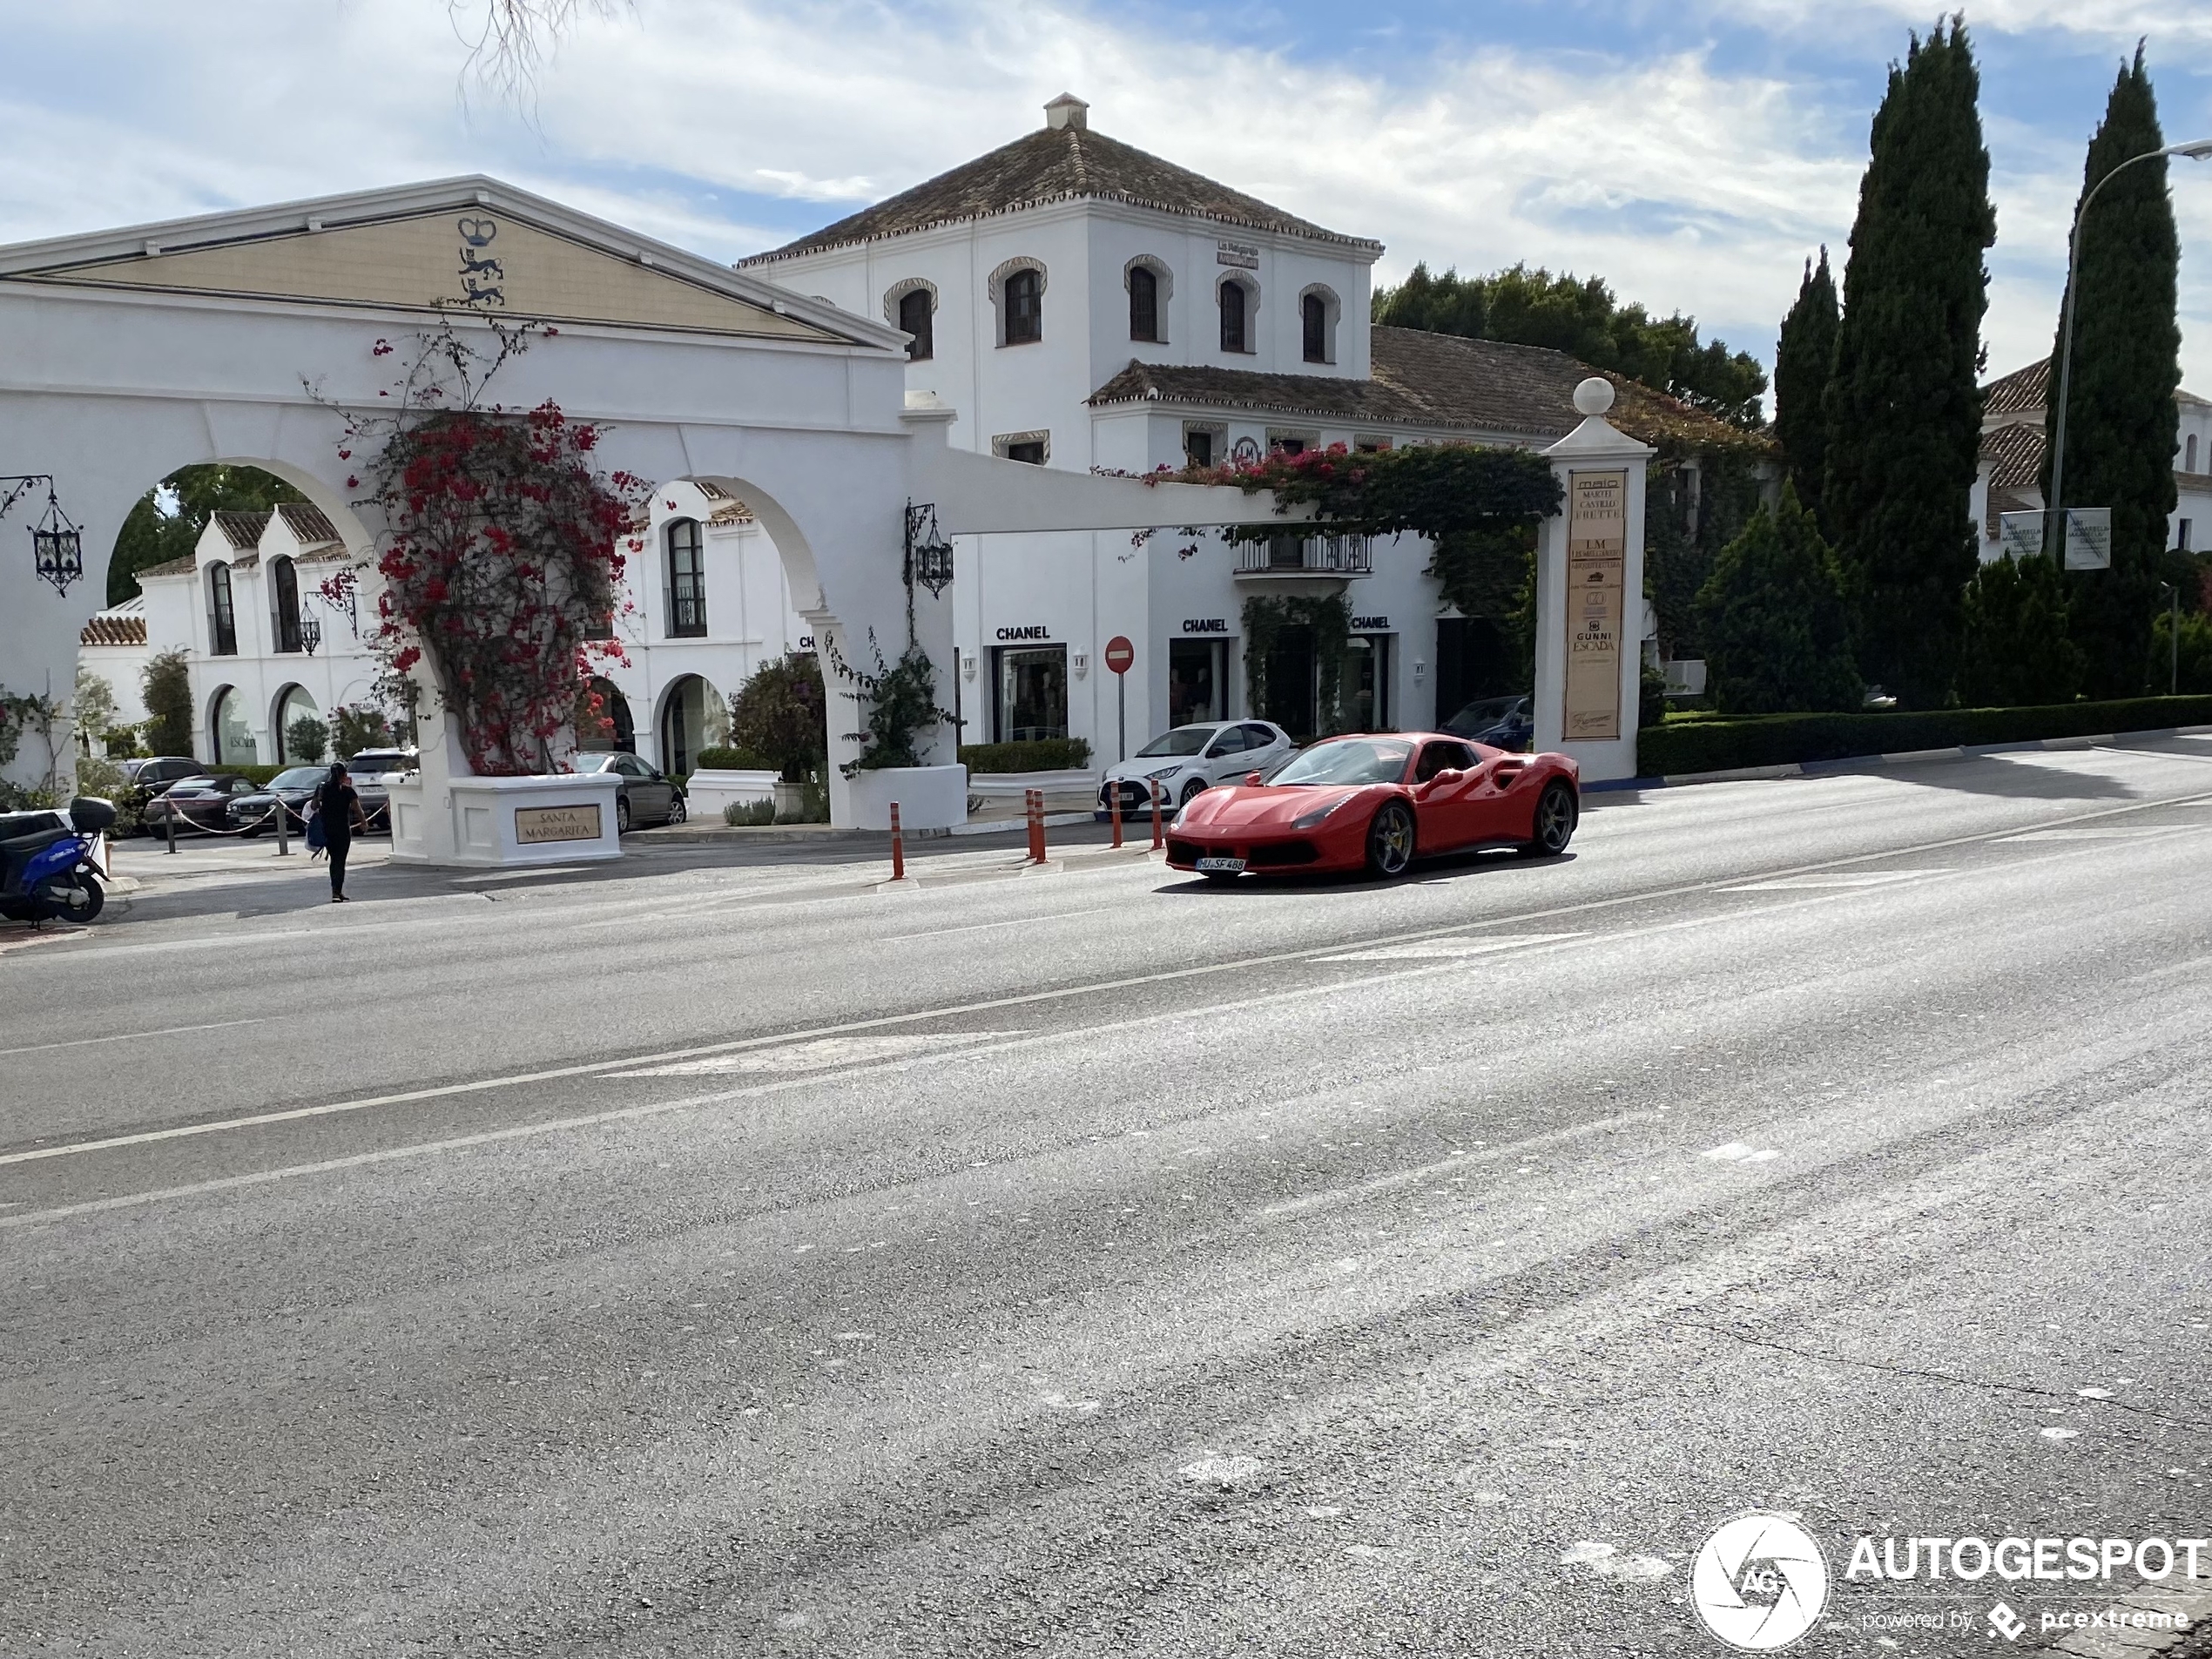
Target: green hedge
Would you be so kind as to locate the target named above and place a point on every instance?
(725, 759)
(1047, 754)
(1684, 746)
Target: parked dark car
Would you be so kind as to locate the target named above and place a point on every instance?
(646, 795)
(256, 812)
(202, 803)
(155, 773)
(368, 769)
(1507, 723)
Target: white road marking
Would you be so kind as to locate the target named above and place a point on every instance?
(1860, 879)
(1433, 949)
(518, 876)
(1219, 1470)
(824, 1054)
(2114, 834)
(126, 1036)
(1737, 1152)
(1014, 921)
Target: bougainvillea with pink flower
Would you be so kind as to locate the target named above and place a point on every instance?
(501, 558)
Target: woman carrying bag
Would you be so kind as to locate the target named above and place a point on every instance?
(338, 812)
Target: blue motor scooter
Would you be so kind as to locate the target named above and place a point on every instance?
(47, 862)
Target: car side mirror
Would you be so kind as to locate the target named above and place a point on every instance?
(1252, 777)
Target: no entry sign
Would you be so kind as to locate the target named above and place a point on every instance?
(1120, 653)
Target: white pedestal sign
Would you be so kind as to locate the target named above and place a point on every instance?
(1589, 595)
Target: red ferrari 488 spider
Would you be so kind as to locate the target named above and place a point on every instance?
(1377, 803)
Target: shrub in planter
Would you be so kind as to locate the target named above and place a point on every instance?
(742, 814)
(723, 758)
(1045, 754)
(778, 719)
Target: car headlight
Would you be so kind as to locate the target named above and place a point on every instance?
(1165, 771)
(1307, 820)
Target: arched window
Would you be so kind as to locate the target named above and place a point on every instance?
(229, 736)
(1143, 304)
(915, 316)
(1022, 305)
(222, 620)
(1313, 316)
(283, 605)
(686, 581)
(1236, 331)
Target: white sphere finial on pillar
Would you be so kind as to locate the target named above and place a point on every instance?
(1593, 395)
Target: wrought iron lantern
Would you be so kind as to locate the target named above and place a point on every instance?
(310, 629)
(929, 557)
(56, 545)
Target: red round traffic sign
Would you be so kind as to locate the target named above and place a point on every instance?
(1120, 653)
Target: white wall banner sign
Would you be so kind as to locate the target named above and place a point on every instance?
(2021, 534)
(1597, 523)
(2088, 538)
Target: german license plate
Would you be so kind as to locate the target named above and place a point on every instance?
(1220, 867)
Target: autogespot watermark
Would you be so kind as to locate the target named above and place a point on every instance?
(1761, 1581)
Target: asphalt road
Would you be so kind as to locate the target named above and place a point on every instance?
(708, 1257)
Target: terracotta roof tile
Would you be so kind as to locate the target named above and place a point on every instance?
(242, 530)
(309, 524)
(1050, 165)
(2025, 391)
(1422, 380)
(114, 630)
(185, 566)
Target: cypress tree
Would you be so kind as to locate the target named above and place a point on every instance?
(1802, 362)
(2017, 652)
(1903, 404)
(1776, 628)
(2121, 421)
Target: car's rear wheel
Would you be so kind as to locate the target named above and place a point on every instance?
(1390, 840)
(677, 811)
(1557, 816)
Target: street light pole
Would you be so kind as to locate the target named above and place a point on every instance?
(2054, 509)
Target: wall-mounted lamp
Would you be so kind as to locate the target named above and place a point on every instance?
(56, 545)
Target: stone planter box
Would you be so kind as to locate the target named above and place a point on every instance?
(514, 822)
(928, 797)
(712, 789)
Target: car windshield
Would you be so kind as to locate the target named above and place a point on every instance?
(375, 765)
(1487, 711)
(186, 785)
(1351, 760)
(1184, 740)
(300, 777)
(593, 763)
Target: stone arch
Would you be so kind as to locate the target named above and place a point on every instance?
(291, 701)
(686, 721)
(996, 287)
(230, 736)
(1332, 320)
(1247, 284)
(1164, 293)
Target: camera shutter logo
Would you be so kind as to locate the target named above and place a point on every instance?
(1760, 1582)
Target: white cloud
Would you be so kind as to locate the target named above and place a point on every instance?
(1685, 183)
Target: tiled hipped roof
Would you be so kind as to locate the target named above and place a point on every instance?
(1050, 165)
(2015, 457)
(1421, 379)
(2023, 392)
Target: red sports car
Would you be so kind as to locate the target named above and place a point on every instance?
(1377, 803)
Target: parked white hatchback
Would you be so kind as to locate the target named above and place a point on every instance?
(1190, 758)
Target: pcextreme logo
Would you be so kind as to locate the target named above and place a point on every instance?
(1759, 1583)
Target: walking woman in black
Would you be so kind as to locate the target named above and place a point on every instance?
(340, 809)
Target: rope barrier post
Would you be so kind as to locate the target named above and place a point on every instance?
(169, 818)
(283, 829)
(1159, 838)
(898, 848)
(1114, 791)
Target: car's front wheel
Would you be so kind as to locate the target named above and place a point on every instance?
(677, 811)
(1554, 825)
(1390, 840)
(621, 815)
(1191, 790)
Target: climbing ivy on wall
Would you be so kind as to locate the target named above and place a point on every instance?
(1330, 617)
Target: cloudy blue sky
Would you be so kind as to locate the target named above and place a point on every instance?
(1692, 151)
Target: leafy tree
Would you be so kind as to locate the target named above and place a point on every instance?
(95, 709)
(780, 714)
(1581, 317)
(1802, 362)
(167, 521)
(2189, 670)
(306, 739)
(165, 685)
(2016, 649)
(1691, 511)
(1904, 405)
(2121, 421)
(355, 726)
(1776, 630)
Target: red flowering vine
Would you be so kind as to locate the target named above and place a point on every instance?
(502, 551)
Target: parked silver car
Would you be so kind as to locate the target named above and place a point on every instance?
(1189, 758)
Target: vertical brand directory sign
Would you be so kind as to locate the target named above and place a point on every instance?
(1597, 551)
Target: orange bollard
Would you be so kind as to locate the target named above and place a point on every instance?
(1116, 792)
(898, 848)
(1159, 839)
(1034, 799)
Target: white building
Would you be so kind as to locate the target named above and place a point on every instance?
(1083, 305)
(2010, 477)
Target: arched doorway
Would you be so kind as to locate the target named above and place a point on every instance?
(604, 720)
(693, 716)
(295, 707)
(230, 739)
